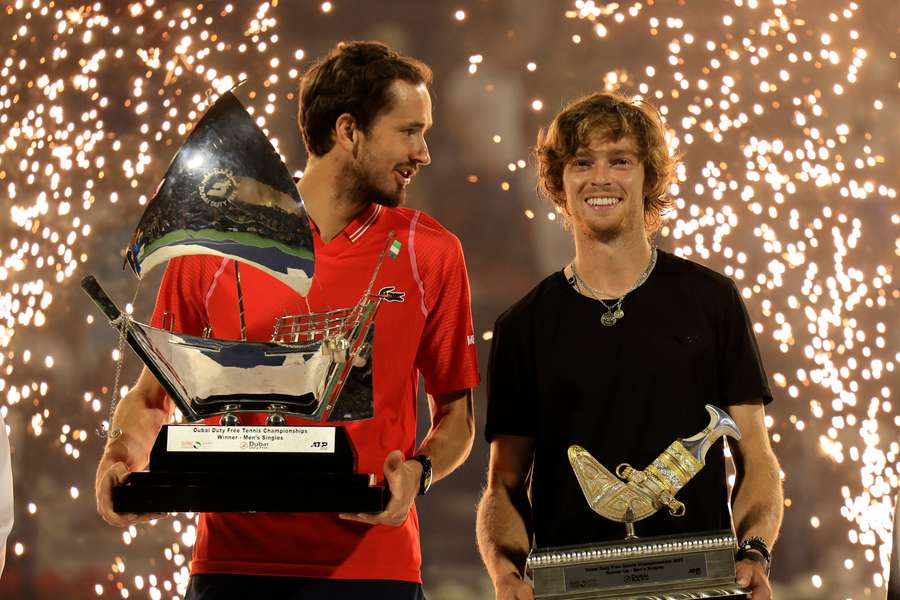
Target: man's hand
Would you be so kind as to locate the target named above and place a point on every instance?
(139, 416)
(112, 472)
(402, 478)
(750, 574)
(512, 587)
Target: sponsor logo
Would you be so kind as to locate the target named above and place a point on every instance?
(218, 187)
(390, 294)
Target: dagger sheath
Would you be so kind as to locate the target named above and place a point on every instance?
(635, 494)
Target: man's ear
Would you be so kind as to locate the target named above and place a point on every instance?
(347, 133)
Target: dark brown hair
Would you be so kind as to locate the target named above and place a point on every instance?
(354, 78)
(615, 116)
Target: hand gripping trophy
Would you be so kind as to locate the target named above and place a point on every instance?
(668, 567)
(227, 193)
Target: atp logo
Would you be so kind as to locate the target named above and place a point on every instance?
(389, 294)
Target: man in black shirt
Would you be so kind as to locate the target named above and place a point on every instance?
(619, 352)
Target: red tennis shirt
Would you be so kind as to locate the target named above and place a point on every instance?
(427, 329)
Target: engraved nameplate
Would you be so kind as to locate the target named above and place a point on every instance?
(215, 438)
(635, 572)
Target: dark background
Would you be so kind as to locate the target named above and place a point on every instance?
(817, 249)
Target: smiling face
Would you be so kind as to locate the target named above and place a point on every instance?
(604, 191)
(618, 120)
(389, 155)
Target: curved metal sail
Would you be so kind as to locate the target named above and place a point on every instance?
(227, 193)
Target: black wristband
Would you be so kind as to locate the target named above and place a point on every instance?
(752, 555)
(755, 549)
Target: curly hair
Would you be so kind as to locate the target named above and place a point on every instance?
(354, 78)
(615, 116)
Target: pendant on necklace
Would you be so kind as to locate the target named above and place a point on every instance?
(608, 318)
(619, 313)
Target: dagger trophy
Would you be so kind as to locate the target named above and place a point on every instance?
(636, 494)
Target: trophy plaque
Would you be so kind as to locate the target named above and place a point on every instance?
(663, 567)
(228, 194)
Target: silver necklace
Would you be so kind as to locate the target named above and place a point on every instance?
(614, 311)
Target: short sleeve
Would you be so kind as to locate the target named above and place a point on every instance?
(743, 376)
(446, 356)
(182, 296)
(511, 385)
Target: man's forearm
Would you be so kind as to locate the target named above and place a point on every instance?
(758, 501)
(138, 418)
(452, 432)
(503, 527)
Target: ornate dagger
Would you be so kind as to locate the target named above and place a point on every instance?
(642, 493)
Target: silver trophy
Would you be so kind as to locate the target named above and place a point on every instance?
(227, 193)
(663, 568)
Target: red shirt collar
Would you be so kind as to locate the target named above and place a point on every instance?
(363, 221)
(358, 226)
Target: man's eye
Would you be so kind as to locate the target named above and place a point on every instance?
(620, 162)
(581, 163)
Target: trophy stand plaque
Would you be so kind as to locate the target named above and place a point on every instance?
(669, 567)
(207, 468)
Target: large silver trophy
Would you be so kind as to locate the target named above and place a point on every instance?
(227, 193)
(657, 568)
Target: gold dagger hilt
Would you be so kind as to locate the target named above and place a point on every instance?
(678, 463)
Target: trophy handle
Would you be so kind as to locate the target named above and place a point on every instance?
(124, 324)
(92, 288)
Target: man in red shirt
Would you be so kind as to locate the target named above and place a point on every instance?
(364, 113)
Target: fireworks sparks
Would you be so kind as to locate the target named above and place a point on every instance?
(767, 89)
(152, 70)
(785, 188)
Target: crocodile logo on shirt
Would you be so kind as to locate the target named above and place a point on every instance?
(389, 294)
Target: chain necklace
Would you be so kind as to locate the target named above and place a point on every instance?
(614, 311)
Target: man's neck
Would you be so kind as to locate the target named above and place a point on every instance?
(326, 203)
(611, 266)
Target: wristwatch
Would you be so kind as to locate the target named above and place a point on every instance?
(755, 548)
(425, 481)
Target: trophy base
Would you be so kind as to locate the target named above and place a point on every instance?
(659, 568)
(204, 468)
(146, 492)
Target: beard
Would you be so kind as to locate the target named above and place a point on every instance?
(362, 185)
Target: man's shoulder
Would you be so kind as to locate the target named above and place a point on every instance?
(691, 273)
(425, 224)
(541, 298)
(429, 238)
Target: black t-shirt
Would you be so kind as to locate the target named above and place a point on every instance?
(624, 393)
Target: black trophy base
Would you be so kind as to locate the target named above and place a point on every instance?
(240, 481)
(146, 492)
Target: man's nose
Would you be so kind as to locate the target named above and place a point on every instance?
(600, 175)
(421, 155)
